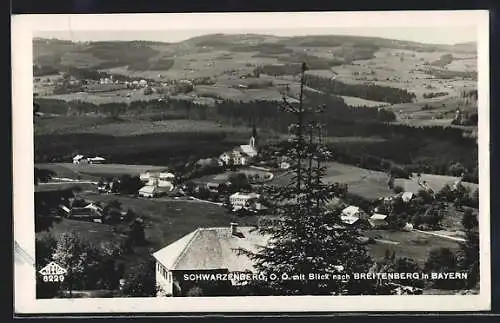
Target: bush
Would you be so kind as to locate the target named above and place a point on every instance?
(140, 280)
(469, 220)
(398, 189)
(442, 260)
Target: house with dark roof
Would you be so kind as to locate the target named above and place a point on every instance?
(206, 260)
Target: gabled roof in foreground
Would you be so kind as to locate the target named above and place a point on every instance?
(211, 248)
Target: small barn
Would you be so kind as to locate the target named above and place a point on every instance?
(378, 220)
(353, 211)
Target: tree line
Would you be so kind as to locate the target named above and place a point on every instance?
(364, 91)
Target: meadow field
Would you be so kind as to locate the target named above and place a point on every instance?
(356, 102)
(224, 176)
(138, 127)
(413, 245)
(78, 171)
(373, 184)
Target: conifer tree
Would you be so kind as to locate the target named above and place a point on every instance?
(309, 238)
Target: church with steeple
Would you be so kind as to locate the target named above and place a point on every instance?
(251, 149)
(242, 154)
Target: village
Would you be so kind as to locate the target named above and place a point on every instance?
(234, 181)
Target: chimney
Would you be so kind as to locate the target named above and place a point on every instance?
(234, 228)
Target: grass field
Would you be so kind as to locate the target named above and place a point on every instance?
(138, 127)
(105, 97)
(363, 182)
(96, 233)
(356, 102)
(75, 171)
(57, 186)
(224, 177)
(68, 124)
(414, 245)
(373, 184)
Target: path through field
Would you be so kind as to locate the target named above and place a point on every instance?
(441, 235)
(387, 241)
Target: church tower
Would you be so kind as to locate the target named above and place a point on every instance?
(253, 139)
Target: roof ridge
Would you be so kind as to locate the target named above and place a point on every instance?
(184, 250)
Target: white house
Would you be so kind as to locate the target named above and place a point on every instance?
(152, 191)
(285, 165)
(350, 220)
(160, 179)
(205, 251)
(243, 200)
(94, 207)
(407, 196)
(235, 156)
(378, 220)
(239, 158)
(77, 159)
(166, 176)
(352, 211)
(225, 158)
(96, 160)
(408, 227)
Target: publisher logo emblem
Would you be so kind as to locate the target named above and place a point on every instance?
(53, 273)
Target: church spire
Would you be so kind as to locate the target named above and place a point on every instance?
(253, 139)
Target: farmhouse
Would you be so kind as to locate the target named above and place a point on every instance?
(86, 213)
(236, 157)
(285, 165)
(206, 260)
(94, 207)
(153, 191)
(96, 160)
(349, 220)
(225, 158)
(378, 220)
(352, 211)
(406, 196)
(161, 179)
(77, 159)
(65, 211)
(243, 200)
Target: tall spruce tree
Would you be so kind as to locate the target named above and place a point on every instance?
(309, 238)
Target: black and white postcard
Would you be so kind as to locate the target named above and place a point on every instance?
(251, 162)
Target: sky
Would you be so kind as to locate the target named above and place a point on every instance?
(434, 27)
(431, 34)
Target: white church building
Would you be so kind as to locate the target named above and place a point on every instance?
(240, 155)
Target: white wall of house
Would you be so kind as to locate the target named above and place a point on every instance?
(241, 200)
(225, 158)
(164, 280)
(145, 194)
(239, 160)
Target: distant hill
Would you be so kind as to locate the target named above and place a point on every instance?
(470, 47)
(55, 54)
(323, 41)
